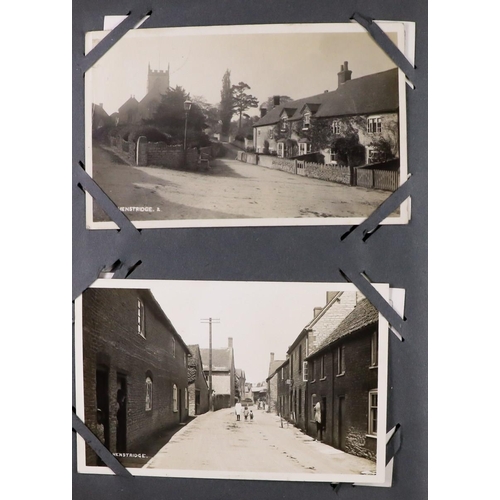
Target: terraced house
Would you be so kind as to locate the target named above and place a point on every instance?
(135, 367)
(343, 377)
(356, 124)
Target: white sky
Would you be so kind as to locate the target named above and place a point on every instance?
(293, 64)
(261, 317)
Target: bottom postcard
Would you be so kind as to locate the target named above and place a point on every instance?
(233, 380)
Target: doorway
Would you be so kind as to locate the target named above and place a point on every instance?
(342, 423)
(102, 400)
(121, 413)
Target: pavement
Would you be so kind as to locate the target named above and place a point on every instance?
(215, 441)
(229, 190)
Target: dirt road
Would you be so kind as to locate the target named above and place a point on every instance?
(230, 190)
(216, 442)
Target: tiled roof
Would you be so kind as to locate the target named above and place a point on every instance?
(364, 314)
(274, 365)
(368, 94)
(221, 359)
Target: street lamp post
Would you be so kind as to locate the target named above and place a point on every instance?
(187, 107)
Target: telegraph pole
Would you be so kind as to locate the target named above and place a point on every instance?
(210, 322)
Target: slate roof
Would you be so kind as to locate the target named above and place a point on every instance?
(368, 94)
(364, 314)
(221, 359)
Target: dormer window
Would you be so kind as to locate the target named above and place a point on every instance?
(306, 121)
(336, 127)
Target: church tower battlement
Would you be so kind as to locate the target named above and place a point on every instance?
(158, 79)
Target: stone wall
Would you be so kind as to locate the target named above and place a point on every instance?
(332, 173)
(156, 154)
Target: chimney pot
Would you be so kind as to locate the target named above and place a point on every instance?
(344, 74)
(272, 357)
(230, 341)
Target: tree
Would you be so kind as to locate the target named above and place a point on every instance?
(170, 118)
(346, 145)
(226, 109)
(241, 100)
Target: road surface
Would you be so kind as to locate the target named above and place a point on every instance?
(216, 442)
(229, 190)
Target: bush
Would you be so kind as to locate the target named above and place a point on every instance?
(239, 138)
(249, 137)
(152, 134)
(250, 149)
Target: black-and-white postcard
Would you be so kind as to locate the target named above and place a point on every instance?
(233, 380)
(265, 125)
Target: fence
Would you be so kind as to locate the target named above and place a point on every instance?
(387, 180)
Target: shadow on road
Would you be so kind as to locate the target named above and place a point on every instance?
(220, 169)
(153, 445)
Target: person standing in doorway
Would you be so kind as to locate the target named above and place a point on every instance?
(237, 411)
(317, 419)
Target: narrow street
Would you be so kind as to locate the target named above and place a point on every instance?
(229, 190)
(217, 442)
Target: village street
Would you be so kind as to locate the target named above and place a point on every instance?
(229, 190)
(215, 441)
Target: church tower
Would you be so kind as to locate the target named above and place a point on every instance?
(158, 79)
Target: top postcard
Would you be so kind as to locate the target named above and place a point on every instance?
(270, 125)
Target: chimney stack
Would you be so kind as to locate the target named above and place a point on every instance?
(276, 100)
(263, 112)
(230, 342)
(272, 357)
(317, 310)
(344, 73)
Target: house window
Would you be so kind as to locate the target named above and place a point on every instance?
(374, 350)
(340, 360)
(149, 394)
(372, 412)
(336, 127)
(283, 124)
(173, 347)
(304, 148)
(306, 121)
(281, 149)
(322, 366)
(140, 318)
(375, 125)
(305, 371)
(270, 133)
(175, 403)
